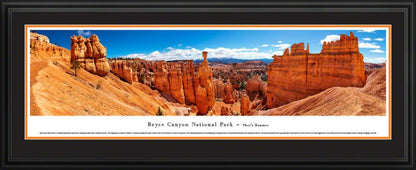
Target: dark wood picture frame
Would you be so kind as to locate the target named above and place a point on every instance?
(396, 153)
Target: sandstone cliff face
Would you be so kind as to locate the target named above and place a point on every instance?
(124, 70)
(168, 78)
(255, 86)
(219, 88)
(161, 77)
(90, 53)
(177, 81)
(41, 49)
(299, 74)
(189, 81)
(39, 37)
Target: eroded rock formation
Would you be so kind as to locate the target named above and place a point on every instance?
(125, 70)
(178, 81)
(255, 86)
(169, 80)
(204, 89)
(230, 94)
(244, 104)
(189, 81)
(90, 54)
(41, 49)
(219, 88)
(175, 82)
(298, 74)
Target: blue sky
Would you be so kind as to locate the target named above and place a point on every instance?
(244, 44)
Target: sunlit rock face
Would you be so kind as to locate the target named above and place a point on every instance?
(298, 74)
(205, 94)
(244, 104)
(90, 53)
(230, 94)
(255, 86)
(188, 81)
(179, 80)
(125, 70)
(41, 49)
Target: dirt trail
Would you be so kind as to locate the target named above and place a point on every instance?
(34, 71)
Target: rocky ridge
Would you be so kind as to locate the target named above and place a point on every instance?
(42, 49)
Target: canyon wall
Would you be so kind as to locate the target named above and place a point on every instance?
(136, 70)
(298, 74)
(189, 81)
(180, 81)
(90, 54)
(125, 70)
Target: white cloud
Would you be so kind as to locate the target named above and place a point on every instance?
(375, 59)
(367, 45)
(279, 42)
(188, 47)
(265, 45)
(278, 53)
(367, 39)
(84, 33)
(367, 30)
(379, 39)
(281, 46)
(179, 45)
(377, 51)
(330, 38)
(194, 54)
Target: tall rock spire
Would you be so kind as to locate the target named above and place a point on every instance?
(204, 92)
(205, 55)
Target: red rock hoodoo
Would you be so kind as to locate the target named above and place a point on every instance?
(176, 80)
(90, 53)
(189, 81)
(230, 94)
(219, 88)
(245, 104)
(204, 89)
(298, 74)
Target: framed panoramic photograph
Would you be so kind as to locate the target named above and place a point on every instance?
(155, 75)
(216, 84)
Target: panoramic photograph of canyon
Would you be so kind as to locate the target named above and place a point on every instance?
(207, 72)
